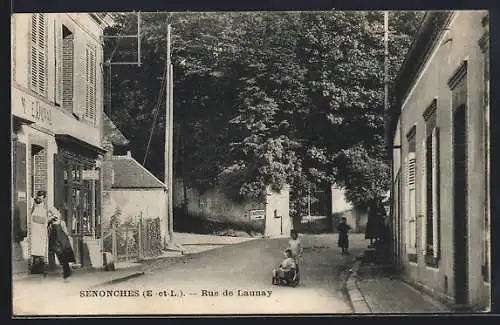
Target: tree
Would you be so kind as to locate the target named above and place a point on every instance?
(266, 98)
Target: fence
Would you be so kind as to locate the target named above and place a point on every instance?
(135, 240)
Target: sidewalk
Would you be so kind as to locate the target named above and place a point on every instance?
(87, 277)
(373, 290)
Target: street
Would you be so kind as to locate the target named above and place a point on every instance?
(234, 279)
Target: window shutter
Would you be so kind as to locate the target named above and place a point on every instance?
(435, 192)
(90, 75)
(42, 57)
(34, 53)
(411, 203)
(21, 207)
(58, 183)
(38, 49)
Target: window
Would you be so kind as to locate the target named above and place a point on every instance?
(411, 228)
(38, 54)
(90, 73)
(431, 228)
(68, 48)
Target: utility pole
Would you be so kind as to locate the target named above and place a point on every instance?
(168, 141)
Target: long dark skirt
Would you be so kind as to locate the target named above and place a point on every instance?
(343, 240)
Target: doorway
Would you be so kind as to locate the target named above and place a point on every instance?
(460, 218)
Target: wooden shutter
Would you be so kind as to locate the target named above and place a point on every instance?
(34, 53)
(90, 73)
(411, 203)
(38, 49)
(59, 183)
(42, 54)
(435, 193)
(20, 194)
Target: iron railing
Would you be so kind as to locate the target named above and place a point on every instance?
(137, 239)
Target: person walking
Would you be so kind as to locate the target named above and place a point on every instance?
(59, 242)
(343, 241)
(39, 240)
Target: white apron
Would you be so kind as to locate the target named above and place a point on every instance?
(39, 234)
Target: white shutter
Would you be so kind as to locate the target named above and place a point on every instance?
(34, 53)
(90, 78)
(38, 55)
(435, 191)
(411, 204)
(42, 54)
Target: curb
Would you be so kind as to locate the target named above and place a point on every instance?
(358, 303)
(119, 279)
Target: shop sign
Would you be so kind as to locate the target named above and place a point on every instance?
(90, 175)
(257, 214)
(21, 195)
(31, 108)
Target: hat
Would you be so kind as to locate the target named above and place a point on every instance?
(41, 193)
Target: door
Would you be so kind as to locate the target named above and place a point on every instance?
(460, 219)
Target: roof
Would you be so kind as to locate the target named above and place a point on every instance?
(113, 134)
(102, 18)
(129, 173)
(433, 24)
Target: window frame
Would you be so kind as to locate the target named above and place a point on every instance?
(431, 247)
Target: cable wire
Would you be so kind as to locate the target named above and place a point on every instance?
(157, 110)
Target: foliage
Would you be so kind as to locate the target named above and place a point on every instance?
(264, 98)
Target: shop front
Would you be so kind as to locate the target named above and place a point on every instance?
(77, 195)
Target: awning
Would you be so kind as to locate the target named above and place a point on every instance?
(71, 140)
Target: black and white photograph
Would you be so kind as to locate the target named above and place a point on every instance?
(329, 162)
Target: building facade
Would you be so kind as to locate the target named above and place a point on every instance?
(57, 112)
(440, 137)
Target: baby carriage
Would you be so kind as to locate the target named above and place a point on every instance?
(287, 273)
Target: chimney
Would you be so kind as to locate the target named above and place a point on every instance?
(108, 146)
(129, 154)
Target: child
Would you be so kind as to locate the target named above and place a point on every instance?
(342, 229)
(286, 265)
(295, 245)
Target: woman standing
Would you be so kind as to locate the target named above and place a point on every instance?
(59, 242)
(39, 240)
(343, 242)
